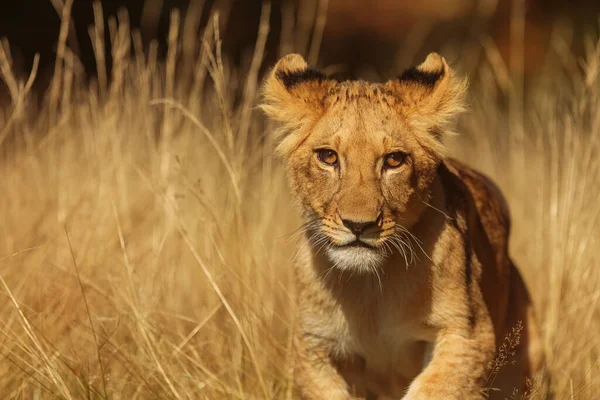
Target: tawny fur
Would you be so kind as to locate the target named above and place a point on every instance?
(420, 313)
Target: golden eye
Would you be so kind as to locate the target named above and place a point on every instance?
(328, 157)
(394, 160)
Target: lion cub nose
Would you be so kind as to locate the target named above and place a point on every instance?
(358, 227)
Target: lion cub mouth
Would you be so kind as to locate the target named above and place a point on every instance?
(358, 243)
(356, 256)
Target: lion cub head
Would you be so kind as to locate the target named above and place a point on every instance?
(361, 157)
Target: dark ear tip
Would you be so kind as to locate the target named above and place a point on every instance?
(291, 62)
(292, 70)
(428, 73)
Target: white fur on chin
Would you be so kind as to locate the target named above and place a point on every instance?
(356, 259)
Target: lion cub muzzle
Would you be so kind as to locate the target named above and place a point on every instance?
(359, 227)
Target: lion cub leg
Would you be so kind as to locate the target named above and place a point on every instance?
(315, 376)
(457, 370)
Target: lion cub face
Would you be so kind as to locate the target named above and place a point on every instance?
(361, 156)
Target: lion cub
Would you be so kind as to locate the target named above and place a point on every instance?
(405, 285)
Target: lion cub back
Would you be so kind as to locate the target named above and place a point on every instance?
(504, 290)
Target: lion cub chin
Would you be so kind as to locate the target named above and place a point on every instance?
(405, 285)
(355, 258)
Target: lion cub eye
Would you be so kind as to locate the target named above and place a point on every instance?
(328, 157)
(394, 160)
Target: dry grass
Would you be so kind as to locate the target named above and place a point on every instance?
(147, 232)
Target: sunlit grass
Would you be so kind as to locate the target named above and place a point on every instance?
(147, 232)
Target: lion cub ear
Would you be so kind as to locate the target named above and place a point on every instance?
(294, 93)
(431, 94)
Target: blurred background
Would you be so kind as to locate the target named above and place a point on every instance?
(360, 38)
(139, 174)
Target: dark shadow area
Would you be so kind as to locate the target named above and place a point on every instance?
(361, 38)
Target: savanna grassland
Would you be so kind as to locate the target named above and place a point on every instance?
(146, 232)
